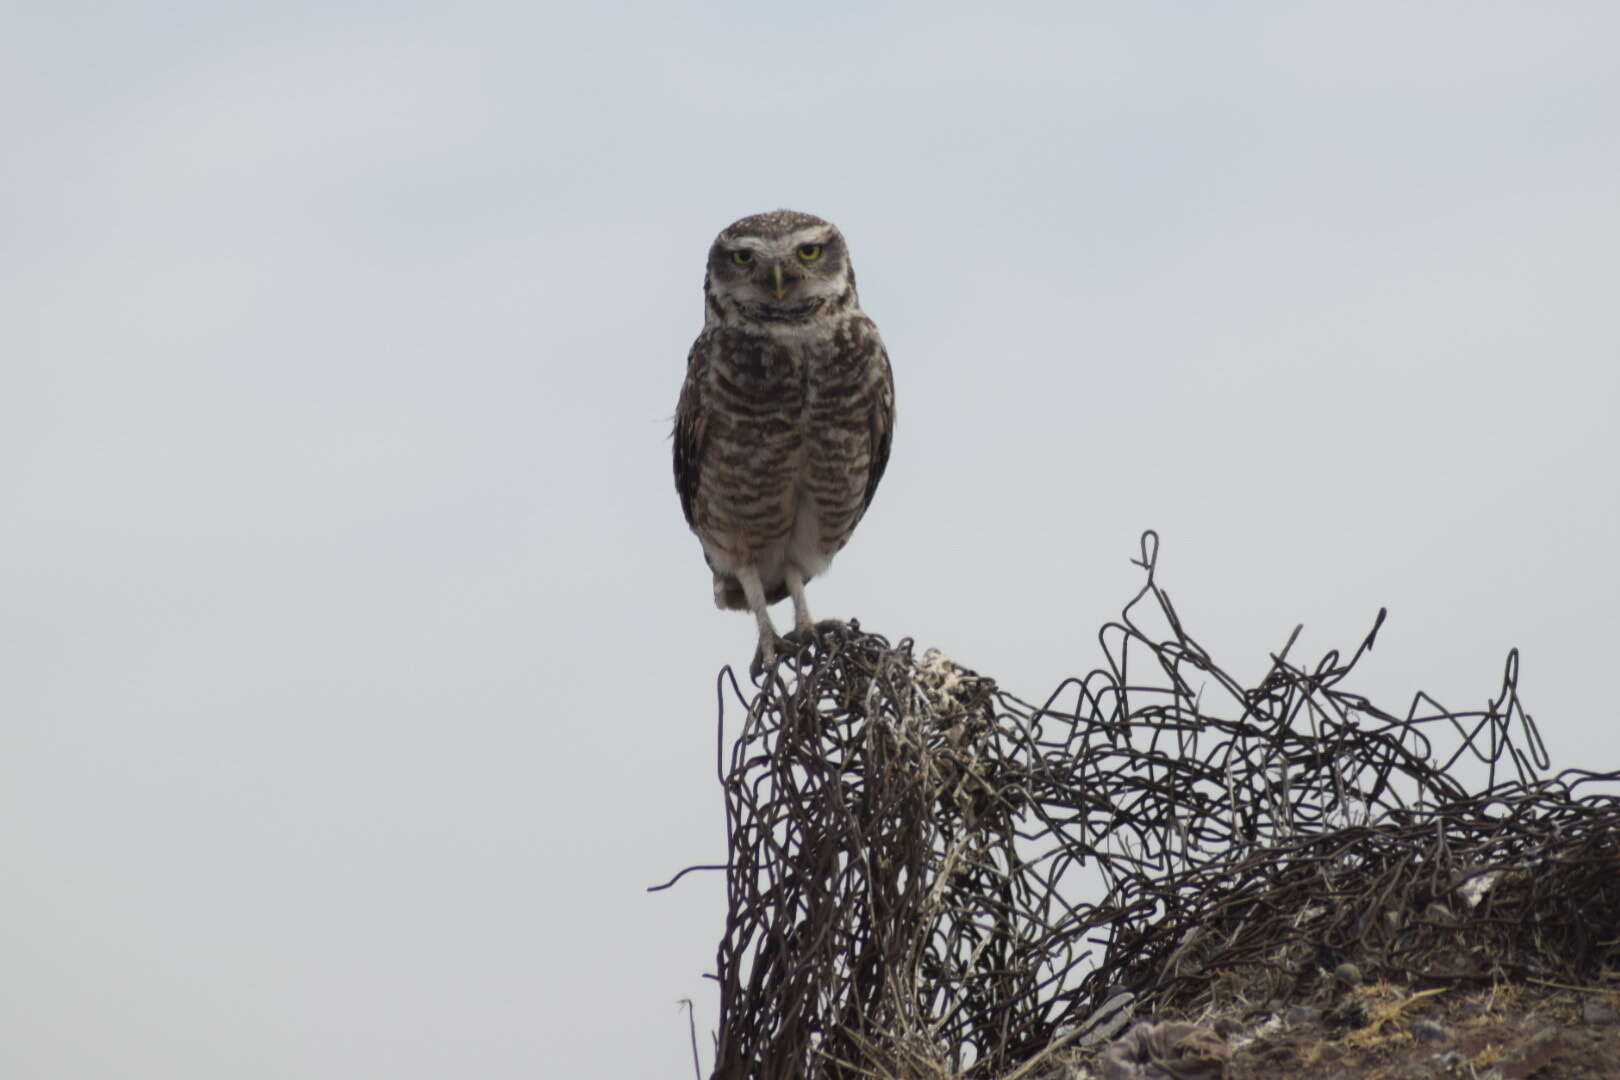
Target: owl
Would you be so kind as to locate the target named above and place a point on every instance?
(783, 426)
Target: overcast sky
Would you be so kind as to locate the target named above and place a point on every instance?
(356, 666)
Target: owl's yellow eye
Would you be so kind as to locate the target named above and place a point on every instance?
(809, 252)
(742, 257)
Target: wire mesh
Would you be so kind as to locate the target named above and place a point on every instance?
(928, 876)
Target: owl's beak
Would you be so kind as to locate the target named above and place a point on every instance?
(777, 285)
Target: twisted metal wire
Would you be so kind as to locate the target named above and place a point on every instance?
(928, 876)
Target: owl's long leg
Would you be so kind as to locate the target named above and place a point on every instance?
(794, 578)
(754, 591)
(804, 630)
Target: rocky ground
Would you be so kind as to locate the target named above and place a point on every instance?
(1508, 1035)
(1382, 1032)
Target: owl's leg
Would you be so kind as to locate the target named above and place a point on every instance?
(754, 592)
(794, 577)
(806, 631)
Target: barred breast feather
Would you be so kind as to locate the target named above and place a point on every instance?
(782, 436)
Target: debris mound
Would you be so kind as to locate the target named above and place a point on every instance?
(930, 877)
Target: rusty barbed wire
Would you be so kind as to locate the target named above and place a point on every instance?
(928, 876)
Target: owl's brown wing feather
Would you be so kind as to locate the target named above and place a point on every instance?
(689, 430)
(882, 421)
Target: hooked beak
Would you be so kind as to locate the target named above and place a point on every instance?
(777, 286)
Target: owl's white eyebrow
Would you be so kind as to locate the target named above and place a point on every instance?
(821, 235)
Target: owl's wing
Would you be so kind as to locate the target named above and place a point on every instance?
(690, 426)
(882, 432)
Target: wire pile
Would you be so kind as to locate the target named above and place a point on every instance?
(928, 876)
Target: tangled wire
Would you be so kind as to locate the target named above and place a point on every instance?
(914, 853)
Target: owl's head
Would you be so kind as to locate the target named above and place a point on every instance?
(780, 267)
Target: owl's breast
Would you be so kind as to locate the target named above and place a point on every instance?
(757, 370)
(791, 441)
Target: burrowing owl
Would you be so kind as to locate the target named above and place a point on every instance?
(782, 430)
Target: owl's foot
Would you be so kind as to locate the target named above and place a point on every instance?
(765, 654)
(812, 633)
(817, 639)
(793, 643)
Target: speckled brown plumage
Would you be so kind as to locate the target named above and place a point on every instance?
(783, 427)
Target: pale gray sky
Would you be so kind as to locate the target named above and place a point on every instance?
(357, 665)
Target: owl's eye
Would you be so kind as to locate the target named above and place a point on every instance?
(742, 257)
(809, 252)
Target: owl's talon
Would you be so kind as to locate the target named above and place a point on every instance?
(812, 633)
(818, 636)
(765, 656)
